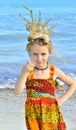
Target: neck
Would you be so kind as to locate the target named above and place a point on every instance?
(41, 68)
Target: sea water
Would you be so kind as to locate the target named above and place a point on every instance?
(13, 40)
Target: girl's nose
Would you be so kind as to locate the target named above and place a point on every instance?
(39, 57)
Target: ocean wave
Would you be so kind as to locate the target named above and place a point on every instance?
(8, 80)
(17, 36)
(7, 86)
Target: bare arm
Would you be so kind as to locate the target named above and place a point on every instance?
(20, 84)
(68, 81)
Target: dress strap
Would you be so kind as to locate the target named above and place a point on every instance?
(31, 74)
(52, 71)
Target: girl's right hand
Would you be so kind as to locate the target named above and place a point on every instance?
(29, 67)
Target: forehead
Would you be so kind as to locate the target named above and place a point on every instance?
(39, 48)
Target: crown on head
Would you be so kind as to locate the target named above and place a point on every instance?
(37, 29)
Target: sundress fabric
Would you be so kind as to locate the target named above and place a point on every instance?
(42, 111)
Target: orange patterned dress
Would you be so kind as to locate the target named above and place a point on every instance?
(41, 108)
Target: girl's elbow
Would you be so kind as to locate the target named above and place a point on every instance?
(74, 85)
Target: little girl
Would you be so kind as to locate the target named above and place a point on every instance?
(42, 108)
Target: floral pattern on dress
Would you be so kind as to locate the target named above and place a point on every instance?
(42, 111)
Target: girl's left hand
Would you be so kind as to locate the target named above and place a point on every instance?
(59, 101)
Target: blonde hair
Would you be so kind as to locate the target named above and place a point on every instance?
(41, 42)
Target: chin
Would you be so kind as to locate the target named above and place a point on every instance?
(40, 66)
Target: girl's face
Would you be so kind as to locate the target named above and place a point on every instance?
(39, 55)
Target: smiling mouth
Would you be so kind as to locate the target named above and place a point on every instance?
(40, 62)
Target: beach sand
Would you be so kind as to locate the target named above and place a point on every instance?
(12, 121)
(12, 111)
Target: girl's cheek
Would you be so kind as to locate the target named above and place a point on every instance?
(34, 58)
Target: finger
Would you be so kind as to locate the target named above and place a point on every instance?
(31, 63)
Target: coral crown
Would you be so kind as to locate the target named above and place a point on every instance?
(37, 29)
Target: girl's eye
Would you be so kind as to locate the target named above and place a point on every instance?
(35, 54)
(43, 54)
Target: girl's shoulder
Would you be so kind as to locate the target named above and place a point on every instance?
(58, 72)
